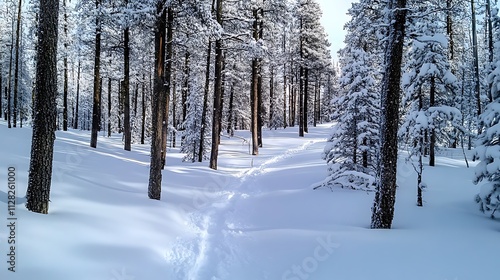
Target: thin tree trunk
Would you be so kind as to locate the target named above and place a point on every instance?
(254, 91)
(432, 140)
(75, 124)
(65, 65)
(16, 71)
(489, 21)
(127, 132)
(96, 109)
(306, 100)
(271, 98)
(230, 121)
(44, 119)
(301, 102)
(385, 196)
(201, 146)
(143, 100)
(185, 87)
(217, 93)
(155, 173)
(174, 111)
(9, 96)
(477, 88)
(109, 107)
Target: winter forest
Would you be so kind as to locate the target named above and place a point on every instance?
(224, 139)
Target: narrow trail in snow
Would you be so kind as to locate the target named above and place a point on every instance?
(212, 251)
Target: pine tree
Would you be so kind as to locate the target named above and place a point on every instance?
(385, 196)
(44, 123)
(488, 143)
(351, 151)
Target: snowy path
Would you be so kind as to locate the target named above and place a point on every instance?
(214, 251)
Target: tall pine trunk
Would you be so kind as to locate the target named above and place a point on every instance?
(217, 93)
(477, 82)
(96, 108)
(155, 173)
(65, 65)
(75, 121)
(109, 107)
(16, 70)
(385, 196)
(44, 119)
(254, 91)
(203, 128)
(127, 133)
(168, 75)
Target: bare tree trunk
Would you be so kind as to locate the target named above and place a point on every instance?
(155, 174)
(271, 98)
(109, 107)
(44, 119)
(385, 196)
(127, 133)
(185, 87)
(96, 109)
(254, 91)
(143, 100)
(432, 132)
(301, 102)
(75, 124)
(201, 146)
(16, 70)
(65, 65)
(217, 93)
(476, 64)
(230, 121)
(490, 42)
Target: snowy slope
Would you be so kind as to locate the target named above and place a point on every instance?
(255, 218)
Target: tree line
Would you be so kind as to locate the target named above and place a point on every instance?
(163, 72)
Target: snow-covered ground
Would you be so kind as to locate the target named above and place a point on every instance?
(255, 218)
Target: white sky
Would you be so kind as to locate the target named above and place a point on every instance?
(334, 18)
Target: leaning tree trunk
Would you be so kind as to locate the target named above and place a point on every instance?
(385, 196)
(96, 108)
(155, 176)
(44, 119)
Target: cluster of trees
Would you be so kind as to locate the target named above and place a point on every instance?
(433, 66)
(169, 71)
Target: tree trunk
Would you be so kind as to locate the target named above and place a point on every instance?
(9, 96)
(16, 71)
(185, 87)
(477, 84)
(109, 107)
(432, 138)
(75, 124)
(254, 91)
(127, 133)
(385, 196)
(155, 174)
(306, 100)
(168, 75)
(217, 93)
(44, 119)
(230, 120)
(201, 146)
(271, 98)
(489, 20)
(301, 102)
(65, 65)
(143, 100)
(96, 109)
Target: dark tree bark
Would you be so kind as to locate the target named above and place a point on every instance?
(385, 196)
(477, 82)
(127, 133)
(75, 124)
(432, 138)
(306, 99)
(230, 120)
(217, 92)
(155, 174)
(96, 108)
(143, 100)
(44, 119)
(9, 95)
(301, 102)
(16, 70)
(109, 107)
(254, 91)
(65, 65)
(271, 97)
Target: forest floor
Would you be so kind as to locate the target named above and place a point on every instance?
(257, 217)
